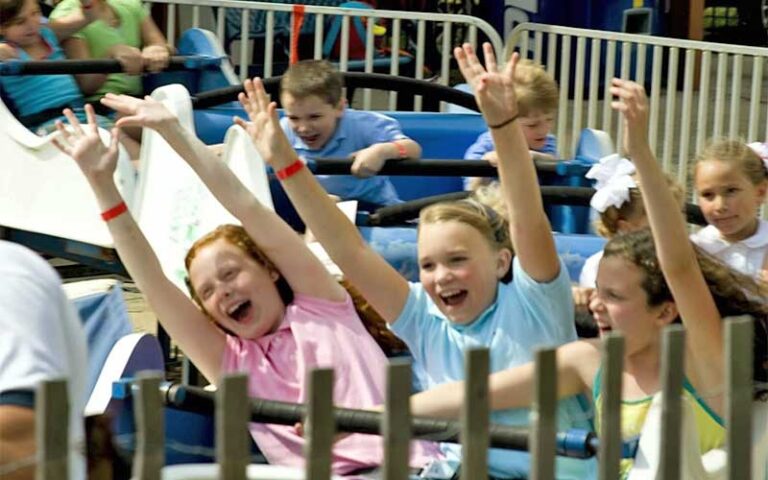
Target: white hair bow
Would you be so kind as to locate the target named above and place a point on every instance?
(613, 180)
(761, 149)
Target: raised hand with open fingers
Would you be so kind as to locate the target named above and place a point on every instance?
(494, 89)
(264, 126)
(632, 102)
(84, 145)
(139, 112)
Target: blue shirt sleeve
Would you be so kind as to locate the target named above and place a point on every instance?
(549, 305)
(382, 129)
(482, 145)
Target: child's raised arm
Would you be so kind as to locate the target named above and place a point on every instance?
(284, 247)
(676, 255)
(187, 325)
(530, 230)
(379, 283)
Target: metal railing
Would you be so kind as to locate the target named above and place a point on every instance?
(696, 89)
(742, 459)
(395, 39)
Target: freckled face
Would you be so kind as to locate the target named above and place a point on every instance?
(459, 269)
(236, 291)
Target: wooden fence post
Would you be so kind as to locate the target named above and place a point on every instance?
(232, 413)
(150, 428)
(609, 451)
(672, 371)
(52, 430)
(475, 415)
(319, 426)
(544, 416)
(739, 396)
(396, 421)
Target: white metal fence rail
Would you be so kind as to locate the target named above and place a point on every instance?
(179, 10)
(697, 89)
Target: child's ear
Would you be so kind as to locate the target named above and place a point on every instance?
(274, 275)
(503, 262)
(762, 191)
(668, 314)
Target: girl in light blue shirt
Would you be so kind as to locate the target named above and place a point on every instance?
(473, 290)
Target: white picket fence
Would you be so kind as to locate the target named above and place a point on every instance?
(743, 459)
(697, 89)
(213, 15)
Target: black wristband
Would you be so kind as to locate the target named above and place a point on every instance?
(505, 122)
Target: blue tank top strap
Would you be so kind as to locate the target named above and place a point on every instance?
(688, 387)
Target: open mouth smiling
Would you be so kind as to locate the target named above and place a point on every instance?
(452, 298)
(239, 311)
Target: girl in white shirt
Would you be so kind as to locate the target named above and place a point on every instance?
(731, 180)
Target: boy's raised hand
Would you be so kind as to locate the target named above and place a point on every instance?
(84, 145)
(632, 102)
(137, 112)
(264, 126)
(494, 89)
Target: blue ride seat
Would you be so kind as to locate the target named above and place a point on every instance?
(196, 42)
(397, 245)
(104, 316)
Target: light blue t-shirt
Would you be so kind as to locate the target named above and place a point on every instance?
(355, 130)
(31, 94)
(526, 314)
(484, 144)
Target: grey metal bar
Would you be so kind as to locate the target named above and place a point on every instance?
(150, 428)
(232, 427)
(544, 415)
(396, 421)
(475, 415)
(52, 430)
(319, 429)
(609, 452)
(672, 372)
(738, 379)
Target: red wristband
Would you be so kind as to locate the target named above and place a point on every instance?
(290, 170)
(114, 212)
(401, 151)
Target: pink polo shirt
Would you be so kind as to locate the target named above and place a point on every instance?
(317, 333)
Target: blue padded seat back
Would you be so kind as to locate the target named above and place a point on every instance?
(105, 320)
(442, 136)
(398, 247)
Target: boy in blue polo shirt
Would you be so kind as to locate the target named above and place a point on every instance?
(318, 125)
